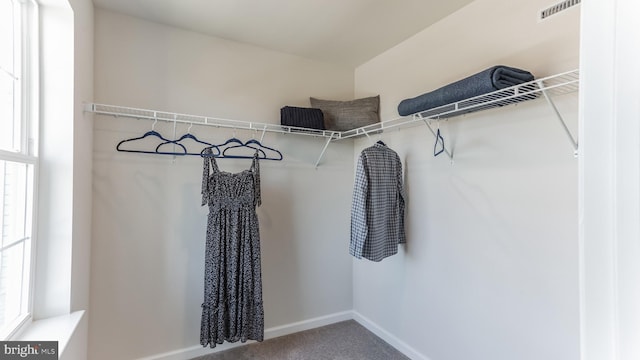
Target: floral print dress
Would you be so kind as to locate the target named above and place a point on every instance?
(232, 309)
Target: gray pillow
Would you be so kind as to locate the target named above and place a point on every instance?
(347, 115)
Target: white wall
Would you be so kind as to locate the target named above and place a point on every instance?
(52, 288)
(148, 226)
(82, 154)
(77, 346)
(490, 269)
(610, 181)
(61, 284)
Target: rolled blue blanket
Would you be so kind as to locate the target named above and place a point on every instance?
(492, 79)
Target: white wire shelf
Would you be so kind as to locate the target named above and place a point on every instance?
(547, 88)
(555, 85)
(136, 113)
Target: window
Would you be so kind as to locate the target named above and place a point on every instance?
(18, 161)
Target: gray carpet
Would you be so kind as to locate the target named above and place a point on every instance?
(345, 340)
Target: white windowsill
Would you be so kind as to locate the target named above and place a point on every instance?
(59, 328)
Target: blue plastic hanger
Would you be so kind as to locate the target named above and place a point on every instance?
(439, 140)
(277, 154)
(152, 133)
(232, 140)
(240, 144)
(189, 136)
(225, 149)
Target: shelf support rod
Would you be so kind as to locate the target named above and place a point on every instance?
(324, 149)
(574, 143)
(264, 130)
(426, 122)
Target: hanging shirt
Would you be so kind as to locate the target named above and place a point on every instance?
(377, 211)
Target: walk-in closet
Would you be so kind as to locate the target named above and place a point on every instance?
(490, 259)
(202, 223)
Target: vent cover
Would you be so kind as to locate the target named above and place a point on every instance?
(561, 6)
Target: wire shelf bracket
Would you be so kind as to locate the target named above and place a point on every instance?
(324, 149)
(574, 142)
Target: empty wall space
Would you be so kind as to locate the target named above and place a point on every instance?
(490, 268)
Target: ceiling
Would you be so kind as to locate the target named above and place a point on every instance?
(346, 32)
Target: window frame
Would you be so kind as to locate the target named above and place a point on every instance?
(28, 90)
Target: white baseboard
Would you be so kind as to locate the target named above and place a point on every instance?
(270, 333)
(307, 324)
(389, 338)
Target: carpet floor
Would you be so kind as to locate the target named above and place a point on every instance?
(345, 340)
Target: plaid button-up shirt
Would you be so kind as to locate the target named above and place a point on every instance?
(377, 211)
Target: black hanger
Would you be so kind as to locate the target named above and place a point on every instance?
(381, 143)
(147, 134)
(439, 139)
(194, 138)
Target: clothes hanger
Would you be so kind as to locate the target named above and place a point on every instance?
(277, 156)
(439, 139)
(151, 133)
(261, 153)
(372, 141)
(232, 140)
(189, 136)
(231, 143)
(380, 139)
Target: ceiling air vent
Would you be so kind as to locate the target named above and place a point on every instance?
(559, 7)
